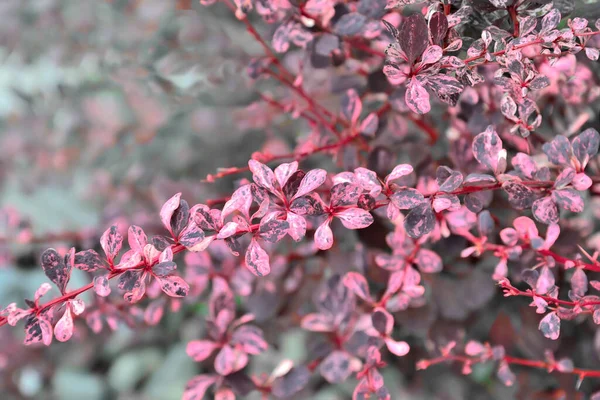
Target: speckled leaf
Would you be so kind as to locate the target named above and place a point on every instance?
(358, 285)
(111, 242)
(558, 150)
(544, 210)
(428, 261)
(312, 180)
(585, 145)
(88, 260)
(63, 330)
(519, 195)
(38, 330)
(550, 326)
(355, 218)
(174, 286)
(273, 230)
(263, 176)
(257, 259)
(417, 97)
(438, 26)
(406, 199)
(486, 148)
(568, 199)
(180, 218)
(137, 239)
(448, 179)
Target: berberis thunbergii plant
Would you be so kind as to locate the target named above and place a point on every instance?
(510, 88)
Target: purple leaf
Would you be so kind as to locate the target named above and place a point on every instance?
(413, 36)
(550, 326)
(257, 260)
(55, 269)
(568, 199)
(438, 26)
(292, 382)
(382, 321)
(180, 218)
(164, 268)
(335, 368)
(420, 221)
(133, 284)
(344, 194)
(446, 88)
(111, 242)
(406, 199)
(428, 261)
(416, 97)
(350, 24)
(355, 218)
(351, 106)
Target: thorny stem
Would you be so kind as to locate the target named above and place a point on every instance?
(551, 367)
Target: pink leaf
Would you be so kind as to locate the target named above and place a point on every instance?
(257, 259)
(428, 261)
(355, 218)
(550, 326)
(351, 106)
(358, 285)
(417, 98)
(487, 147)
(545, 281)
(398, 348)
(230, 360)
(317, 323)
(581, 181)
(63, 330)
(263, 176)
(579, 282)
(324, 236)
(284, 171)
(196, 388)
(200, 350)
(312, 180)
(568, 199)
(545, 211)
(250, 338)
(369, 125)
(408, 198)
(167, 211)
(101, 285)
(43, 289)
(192, 236)
(174, 286)
(136, 238)
(398, 172)
(297, 223)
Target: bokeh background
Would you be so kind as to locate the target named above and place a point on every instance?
(107, 108)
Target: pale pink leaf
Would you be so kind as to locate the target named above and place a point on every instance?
(200, 350)
(174, 286)
(398, 348)
(63, 330)
(167, 210)
(312, 180)
(257, 259)
(355, 218)
(324, 236)
(358, 285)
(417, 98)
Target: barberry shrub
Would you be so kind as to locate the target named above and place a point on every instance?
(438, 207)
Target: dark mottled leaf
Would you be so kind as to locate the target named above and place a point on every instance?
(568, 199)
(88, 260)
(257, 259)
(545, 211)
(408, 198)
(558, 150)
(111, 242)
(519, 195)
(438, 26)
(350, 24)
(292, 382)
(55, 268)
(585, 145)
(420, 221)
(335, 368)
(413, 36)
(448, 179)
